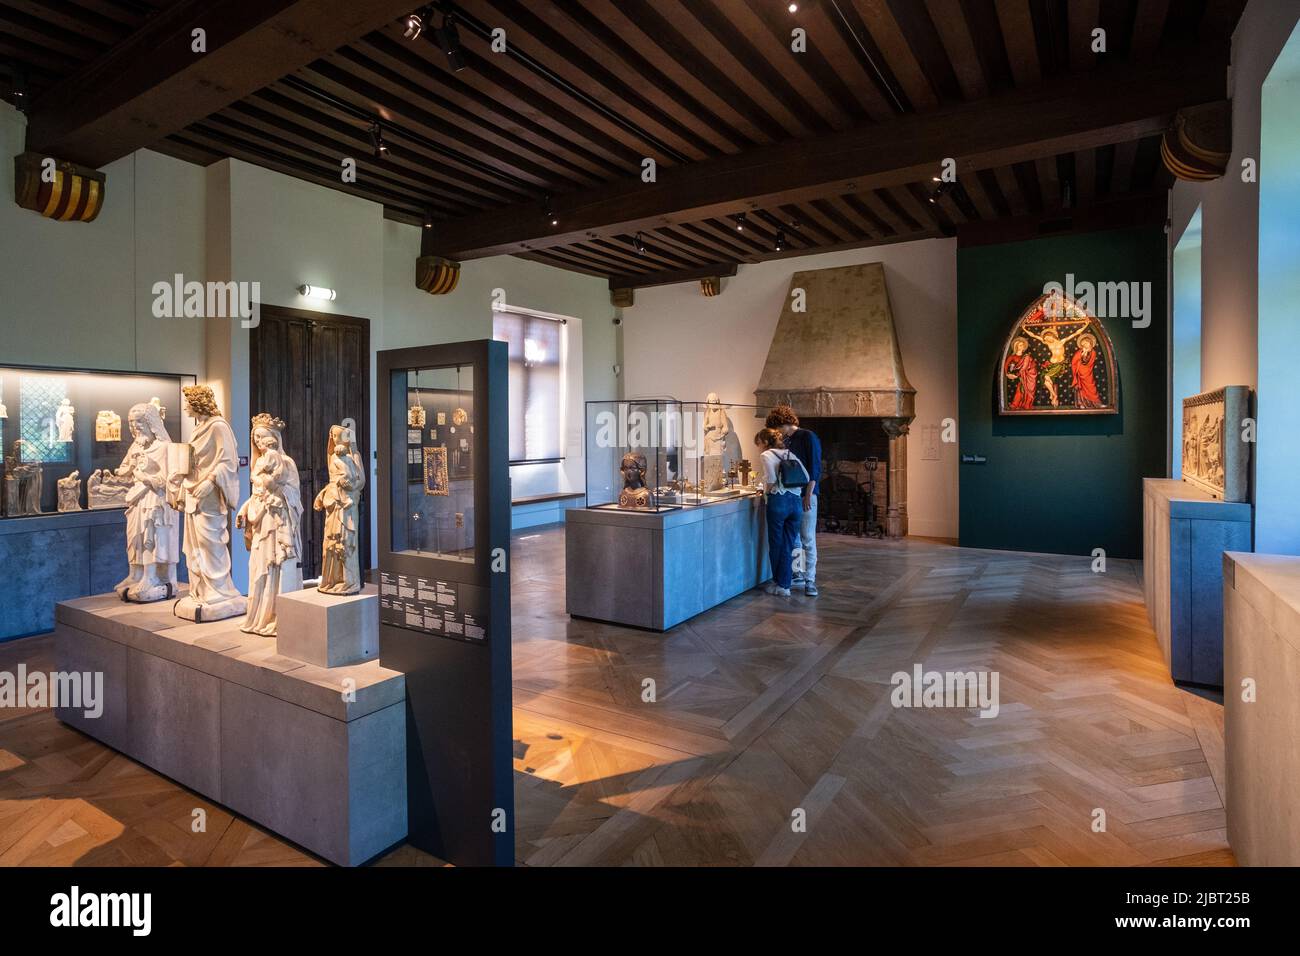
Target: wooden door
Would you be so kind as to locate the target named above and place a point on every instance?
(313, 371)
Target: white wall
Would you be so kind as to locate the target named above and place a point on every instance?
(1230, 207)
(78, 294)
(678, 342)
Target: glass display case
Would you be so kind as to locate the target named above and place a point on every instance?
(657, 454)
(64, 433)
(437, 432)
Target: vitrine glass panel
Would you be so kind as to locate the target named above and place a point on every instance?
(73, 425)
(435, 425)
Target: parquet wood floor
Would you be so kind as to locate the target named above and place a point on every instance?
(763, 707)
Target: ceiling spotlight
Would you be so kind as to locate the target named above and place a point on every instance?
(938, 192)
(638, 244)
(414, 24)
(793, 8)
(780, 241)
(549, 212)
(428, 220)
(377, 140)
(449, 40)
(18, 89)
(741, 223)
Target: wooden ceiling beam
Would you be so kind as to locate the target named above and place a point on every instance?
(1084, 17)
(1112, 104)
(950, 21)
(153, 83)
(1017, 22)
(671, 277)
(1148, 26)
(888, 36)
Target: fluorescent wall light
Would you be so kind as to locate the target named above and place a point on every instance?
(317, 292)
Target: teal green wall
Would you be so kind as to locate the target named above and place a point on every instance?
(1070, 483)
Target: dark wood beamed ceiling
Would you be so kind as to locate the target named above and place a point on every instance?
(830, 148)
(153, 83)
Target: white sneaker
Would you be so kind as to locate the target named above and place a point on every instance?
(775, 589)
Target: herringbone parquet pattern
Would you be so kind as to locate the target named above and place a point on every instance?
(762, 708)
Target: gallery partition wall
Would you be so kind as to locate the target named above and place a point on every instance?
(313, 370)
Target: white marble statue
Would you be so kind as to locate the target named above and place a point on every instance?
(207, 496)
(152, 525)
(716, 426)
(271, 519)
(70, 492)
(340, 500)
(64, 420)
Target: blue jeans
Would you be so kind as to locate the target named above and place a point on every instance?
(784, 514)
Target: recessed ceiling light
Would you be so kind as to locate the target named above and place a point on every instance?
(793, 8)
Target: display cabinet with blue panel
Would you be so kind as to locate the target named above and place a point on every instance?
(64, 433)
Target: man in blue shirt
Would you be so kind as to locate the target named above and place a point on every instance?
(805, 446)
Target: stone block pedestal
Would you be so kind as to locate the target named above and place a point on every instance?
(328, 630)
(317, 755)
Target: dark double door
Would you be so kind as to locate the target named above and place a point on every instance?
(313, 371)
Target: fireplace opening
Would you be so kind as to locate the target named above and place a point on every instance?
(854, 491)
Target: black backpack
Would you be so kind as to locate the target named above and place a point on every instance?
(790, 472)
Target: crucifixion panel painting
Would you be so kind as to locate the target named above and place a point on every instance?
(1058, 360)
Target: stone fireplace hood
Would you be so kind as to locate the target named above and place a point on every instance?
(838, 355)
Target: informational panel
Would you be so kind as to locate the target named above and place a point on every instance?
(436, 607)
(444, 591)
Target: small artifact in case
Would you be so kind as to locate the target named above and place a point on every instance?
(108, 426)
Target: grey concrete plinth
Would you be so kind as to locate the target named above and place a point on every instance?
(329, 630)
(1185, 532)
(1261, 619)
(315, 754)
(657, 569)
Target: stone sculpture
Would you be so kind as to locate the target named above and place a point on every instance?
(207, 495)
(271, 519)
(70, 492)
(152, 525)
(107, 489)
(716, 426)
(23, 484)
(108, 426)
(635, 496)
(1216, 445)
(64, 421)
(340, 500)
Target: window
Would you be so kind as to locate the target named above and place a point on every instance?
(536, 346)
(40, 398)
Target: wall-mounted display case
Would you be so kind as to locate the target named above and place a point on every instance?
(659, 454)
(57, 421)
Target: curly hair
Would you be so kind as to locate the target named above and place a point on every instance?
(782, 415)
(768, 438)
(201, 400)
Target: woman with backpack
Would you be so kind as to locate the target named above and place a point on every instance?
(784, 477)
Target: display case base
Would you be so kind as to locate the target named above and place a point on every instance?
(1185, 532)
(329, 630)
(657, 569)
(317, 755)
(1261, 668)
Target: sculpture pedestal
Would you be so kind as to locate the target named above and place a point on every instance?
(318, 756)
(328, 630)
